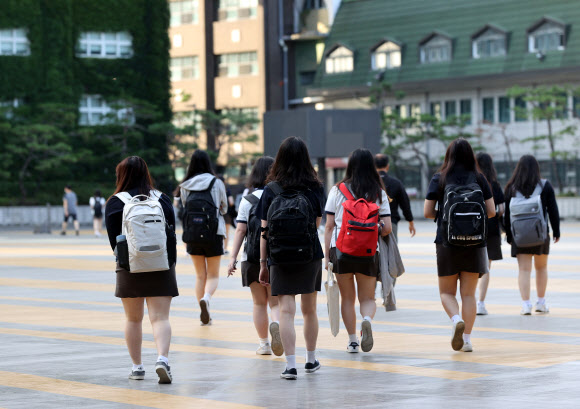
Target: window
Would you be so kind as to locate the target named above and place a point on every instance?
(307, 77)
(183, 12)
(339, 60)
(401, 111)
(491, 43)
(105, 45)
(313, 4)
(237, 9)
(576, 106)
(465, 109)
(237, 64)
(184, 68)
(436, 109)
(561, 106)
(504, 109)
(437, 49)
(386, 56)
(415, 110)
(95, 111)
(548, 36)
(521, 113)
(14, 42)
(450, 109)
(488, 115)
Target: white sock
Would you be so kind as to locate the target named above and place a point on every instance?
(138, 367)
(466, 337)
(480, 302)
(526, 303)
(264, 341)
(206, 296)
(456, 318)
(541, 300)
(367, 318)
(163, 358)
(290, 361)
(352, 338)
(310, 356)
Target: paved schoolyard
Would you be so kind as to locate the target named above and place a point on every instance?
(62, 343)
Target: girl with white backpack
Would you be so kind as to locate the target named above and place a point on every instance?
(140, 224)
(529, 201)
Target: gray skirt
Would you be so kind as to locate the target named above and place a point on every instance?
(454, 260)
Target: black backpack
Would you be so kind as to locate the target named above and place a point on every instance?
(97, 208)
(253, 233)
(464, 220)
(291, 227)
(200, 221)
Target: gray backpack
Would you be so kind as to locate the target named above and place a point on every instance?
(528, 222)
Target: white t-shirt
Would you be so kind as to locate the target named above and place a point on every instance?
(243, 215)
(334, 206)
(92, 204)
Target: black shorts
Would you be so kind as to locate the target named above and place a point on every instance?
(74, 217)
(213, 250)
(250, 273)
(345, 267)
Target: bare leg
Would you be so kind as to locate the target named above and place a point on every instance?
(274, 305)
(484, 284)
(64, 225)
(467, 287)
(287, 331)
(260, 297)
(447, 292)
(366, 295)
(541, 266)
(347, 300)
(525, 271)
(308, 306)
(134, 310)
(201, 275)
(159, 316)
(77, 225)
(213, 274)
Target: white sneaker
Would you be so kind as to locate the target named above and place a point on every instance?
(467, 347)
(526, 310)
(481, 310)
(265, 349)
(457, 335)
(542, 308)
(353, 347)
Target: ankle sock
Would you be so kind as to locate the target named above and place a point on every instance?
(541, 300)
(466, 337)
(290, 361)
(352, 338)
(310, 356)
(481, 303)
(456, 318)
(138, 367)
(163, 359)
(264, 341)
(526, 303)
(206, 296)
(367, 318)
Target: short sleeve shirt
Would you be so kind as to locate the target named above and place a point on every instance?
(243, 215)
(334, 207)
(435, 192)
(71, 200)
(498, 198)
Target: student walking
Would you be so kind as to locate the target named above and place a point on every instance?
(348, 247)
(249, 228)
(464, 201)
(493, 232)
(530, 200)
(97, 203)
(204, 201)
(69, 204)
(139, 280)
(397, 195)
(291, 210)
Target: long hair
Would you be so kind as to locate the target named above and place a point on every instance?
(133, 173)
(459, 152)
(257, 179)
(525, 178)
(363, 177)
(198, 164)
(292, 166)
(485, 163)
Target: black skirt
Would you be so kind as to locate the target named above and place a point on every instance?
(250, 273)
(292, 279)
(494, 248)
(536, 250)
(346, 267)
(150, 284)
(212, 250)
(454, 260)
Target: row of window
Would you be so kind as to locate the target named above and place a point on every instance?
(490, 41)
(186, 12)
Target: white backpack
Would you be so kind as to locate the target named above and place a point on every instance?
(528, 222)
(144, 227)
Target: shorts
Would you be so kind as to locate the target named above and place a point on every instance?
(347, 267)
(212, 250)
(454, 260)
(73, 215)
(494, 248)
(250, 273)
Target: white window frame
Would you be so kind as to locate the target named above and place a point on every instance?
(94, 44)
(92, 105)
(436, 43)
(188, 9)
(386, 56)
(181, 65)
(230, 10)
(489, 35)
(229, 64)
(546, 29)
(339, 60)
(17, 40)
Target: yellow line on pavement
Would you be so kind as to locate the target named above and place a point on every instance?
(110, 393)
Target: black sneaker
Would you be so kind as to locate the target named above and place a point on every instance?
(77, 233)
(289, 374)
(312, 367)
(63, 233)
(137, 375)
(164, 372)
(204, 315)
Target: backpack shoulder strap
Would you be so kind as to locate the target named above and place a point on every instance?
(211, 185)
(124, 197)
(275, 187)
(344, 190)
(252, 199)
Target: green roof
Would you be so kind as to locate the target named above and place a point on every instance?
(362, 23)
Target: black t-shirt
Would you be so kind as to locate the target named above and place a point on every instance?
(436, 192)
(397, 197)
(317, 199)
(498, 198)
(114, 215)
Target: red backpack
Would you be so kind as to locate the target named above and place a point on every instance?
(359, 232)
